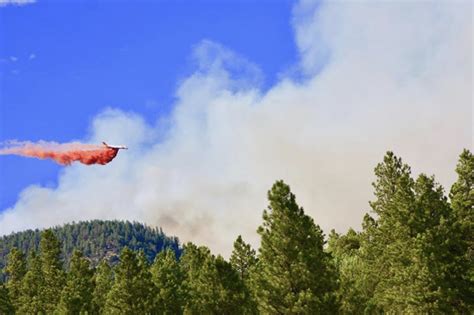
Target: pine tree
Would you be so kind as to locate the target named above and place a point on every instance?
(103, 279)
(76, 297)
(387, 243)
(167, 278)
(6, 306)
(15, 270)
(51, 270)
(294, 275)
(131, 291)
(243, 258)
(401, 251)
(462, 198)
(345, 252)
(212, 286)
(233, 297)
(146, 288)
(31, 300)
(413, 281)
(339, 245)
(243, 261)
(434, 258)
(201, 282)
(461, 275)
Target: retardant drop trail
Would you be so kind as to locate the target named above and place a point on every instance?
(64, 154)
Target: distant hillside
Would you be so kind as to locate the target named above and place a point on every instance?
(96, 239)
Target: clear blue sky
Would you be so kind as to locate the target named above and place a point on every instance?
(61, 63)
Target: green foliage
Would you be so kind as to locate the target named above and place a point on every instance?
(15, 270)
(31, 301)
(461, 229)
(294, 275)
(132, 290)
(201, 280)
(51, 270)
(407, 259)
(243, 258)
(388, 260)
(76, 297)
(462, 191)
(232, 297)
(145, 284)
(212, 286)
(167, 277)
(6, 306)
(345, 249)
(103, 280)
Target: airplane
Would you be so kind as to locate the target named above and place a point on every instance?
(116, 147)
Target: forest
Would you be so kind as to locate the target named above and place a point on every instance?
(96, 239)
(413, 255)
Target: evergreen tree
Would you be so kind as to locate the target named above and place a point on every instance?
(76, 297)
(15, 270)
(345, 252)
(387, 244)
(462, 199)
(103, 279)
(403, 253)
(339, 245)
(145, 284)
(201, 280)
(294, 275)
(243, 261)
(6, 306)
(212, 285)
(243, 258)
(167, 278)
(233, 296)
(412, 282)
(461, 275)
(434, 259)
(51, 270)
(131, 291)
(31, 300)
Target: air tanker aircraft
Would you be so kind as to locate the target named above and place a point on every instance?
(115, 147)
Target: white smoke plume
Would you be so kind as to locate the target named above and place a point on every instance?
(16, 2)
(376, 77)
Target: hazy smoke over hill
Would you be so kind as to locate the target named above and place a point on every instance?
(377, 76)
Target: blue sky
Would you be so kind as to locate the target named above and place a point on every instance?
(61, 63)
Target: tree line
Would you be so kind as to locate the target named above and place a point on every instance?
(413, 255)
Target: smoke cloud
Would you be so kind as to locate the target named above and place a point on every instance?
(372, 77)
(63, 154)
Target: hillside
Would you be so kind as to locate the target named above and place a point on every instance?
(96, 239)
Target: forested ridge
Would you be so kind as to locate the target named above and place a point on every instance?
(413, 255)
(96, 239)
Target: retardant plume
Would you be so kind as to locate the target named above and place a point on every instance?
(64, 153)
